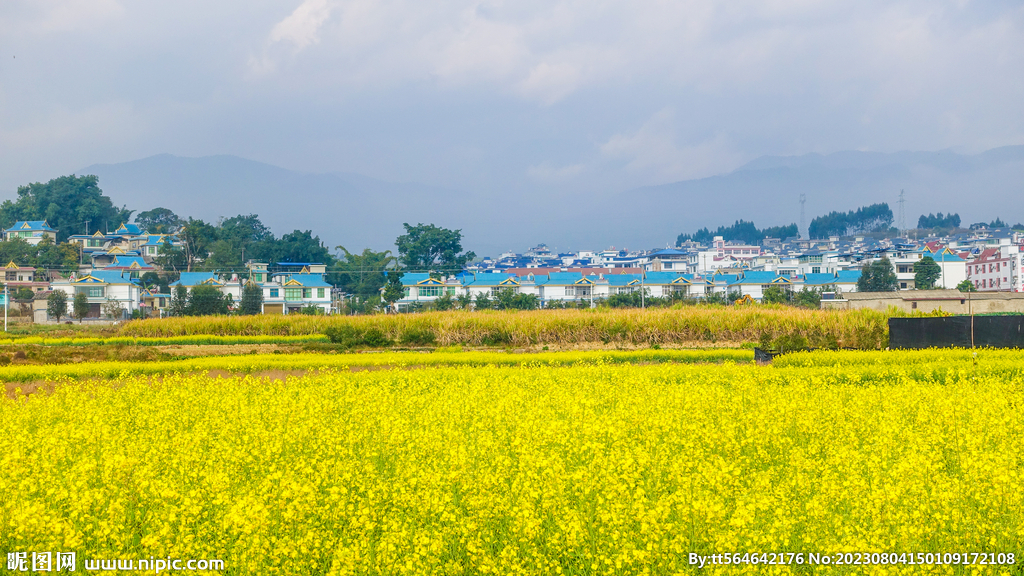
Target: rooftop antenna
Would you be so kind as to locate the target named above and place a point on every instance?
(903, 215)
(803, 199)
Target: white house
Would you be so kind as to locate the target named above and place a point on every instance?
(31, 231)
(103, 287)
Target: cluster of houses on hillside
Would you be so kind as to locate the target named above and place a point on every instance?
(113, 264)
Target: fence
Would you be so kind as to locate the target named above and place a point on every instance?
(957, 331)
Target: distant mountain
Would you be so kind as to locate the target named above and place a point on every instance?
(767, 190)
(357, 211)
(343, 209)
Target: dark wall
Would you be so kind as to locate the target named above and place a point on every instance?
(955, 331)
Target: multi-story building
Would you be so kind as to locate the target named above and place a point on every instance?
(31, 231)
(997, 270)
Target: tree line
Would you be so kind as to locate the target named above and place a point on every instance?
(742, 231)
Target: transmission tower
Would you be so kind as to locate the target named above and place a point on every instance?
(903, 215)
(803, 199)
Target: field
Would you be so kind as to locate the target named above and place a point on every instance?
(863, 329)
(493, 463)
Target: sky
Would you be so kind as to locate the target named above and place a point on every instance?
(532, 98)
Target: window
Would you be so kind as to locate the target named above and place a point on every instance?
(668, 266)
(258, 277)
(292, 294)
(275, 293)
(10, 276)
(426, 291)
(91, 291)
(163, 302)
(451, 290)
(816, 270)
(95, 243)
(319, 292)
(307, 292)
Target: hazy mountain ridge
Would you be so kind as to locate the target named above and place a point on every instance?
(358, 211)
(767, 190)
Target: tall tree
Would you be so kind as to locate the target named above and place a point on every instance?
(878, 276)
(426, 247)
(393, 290)
(239, 239)
(158, 221)
(80, 306)
(204, 300)
(301, 246)
(197, 238)
(252, 299)
(57, 304)
(926, 273)
(361, 274)
(873, 218)
(70, 204)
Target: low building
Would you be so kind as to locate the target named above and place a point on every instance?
(31, 231)
(105, 290)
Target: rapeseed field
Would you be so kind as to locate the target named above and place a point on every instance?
(585, 468)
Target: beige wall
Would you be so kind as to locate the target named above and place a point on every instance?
(975, 303)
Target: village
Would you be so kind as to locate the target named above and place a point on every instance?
(117, 269)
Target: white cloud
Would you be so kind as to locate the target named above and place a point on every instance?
(547, 173)
(301, 28)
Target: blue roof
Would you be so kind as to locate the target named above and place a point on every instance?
(300, 263)
(661, 277)
(194, 278)
(128, 229)
(622, 279)
(412, 278)
(309, 280)
(33, 225)
(847, 276)
(669, 252)
(112, 277)
(758, 277)
(490, 279)
(821, 279)
(157, 240)
(559, 278)
(127, 261)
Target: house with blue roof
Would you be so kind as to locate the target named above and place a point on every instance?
(104, 289)
(31, 231)
(136, 266)
(753, 283)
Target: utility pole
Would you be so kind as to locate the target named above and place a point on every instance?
(903, 215)
(803, 200)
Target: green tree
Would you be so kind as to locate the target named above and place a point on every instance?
(205, 300)
(158, 221)
(444, 302)
(926, 273)
(301, 246)
(239, 239)
(966, 286)
(482, 302)
(393, 290)
(23, 293)
(179, 301)
(113, 309)
(197, 238)
(252, 299)
(808, 297)
(429, 248)
(464, 301)
(878, 276)
(80, 306)
(70, 204)
(362, 274)
(57, 304)
(170, 257)
(775, 295)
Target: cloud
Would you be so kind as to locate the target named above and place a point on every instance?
(652, 150)
(301, 28)
(548, 173)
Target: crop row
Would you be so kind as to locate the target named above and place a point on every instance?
(864, 329)
(256, 363)
(192, 339)
(585, 469)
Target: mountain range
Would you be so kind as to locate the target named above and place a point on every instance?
(357, 211)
